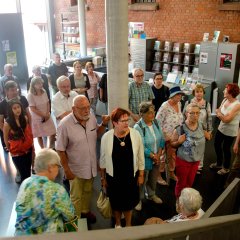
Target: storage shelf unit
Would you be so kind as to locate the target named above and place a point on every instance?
(175, 57)
(70, 35)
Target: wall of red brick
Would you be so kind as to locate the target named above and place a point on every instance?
(178, 21)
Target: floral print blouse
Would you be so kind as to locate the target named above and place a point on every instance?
(42, 206)
(169, 118)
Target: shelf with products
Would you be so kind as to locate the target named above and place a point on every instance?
(70, 34)
(175, 57)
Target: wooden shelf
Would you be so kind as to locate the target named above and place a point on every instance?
(70, 34)
(70, 22)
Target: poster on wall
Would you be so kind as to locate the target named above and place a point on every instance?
(12, 58)
(203, 59)
(5, 45)
(225, 61)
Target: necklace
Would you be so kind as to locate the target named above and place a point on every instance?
(122, 143)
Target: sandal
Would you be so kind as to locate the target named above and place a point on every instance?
(162, 182)
(215, 166)
(223, 171)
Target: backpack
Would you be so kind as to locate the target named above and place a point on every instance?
(143, 129)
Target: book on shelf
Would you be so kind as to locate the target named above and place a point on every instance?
(157, 45)
(186, 47)
(176, 47)
(156, 67)
(197, 49)
(205, 37)
(166, 57)
(186, 59)
(166, 69)
(196, 61)
(168, 46)
(157, 56)
(215, 36)
(175, 68)
(176, 58)
(186, 69)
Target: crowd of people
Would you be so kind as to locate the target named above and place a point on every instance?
(153, 135)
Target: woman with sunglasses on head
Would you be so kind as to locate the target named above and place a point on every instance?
(122, 166)
(229, 115)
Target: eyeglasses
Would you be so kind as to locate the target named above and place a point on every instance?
(194, 113)
(138, 76)
(83, 108)
(124, 120)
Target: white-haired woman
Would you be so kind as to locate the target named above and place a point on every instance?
(42, 206)
(42, 123)
(188, 206)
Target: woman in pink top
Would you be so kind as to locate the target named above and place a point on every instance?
(42, 123)
(170, 116)
(94, 79)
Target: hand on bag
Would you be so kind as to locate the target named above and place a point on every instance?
(104, 182)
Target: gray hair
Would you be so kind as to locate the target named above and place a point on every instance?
(190, 200)
(35, 67)
(7, 66)
(10, 84)
(44, 158)
(144, 107)
(35, 80)
(136, 70)
(62, 79)
(79, 98)
(192, 105)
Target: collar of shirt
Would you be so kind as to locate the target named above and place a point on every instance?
(63, 96)
(16, 98)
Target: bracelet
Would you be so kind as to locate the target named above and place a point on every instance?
(104, 125)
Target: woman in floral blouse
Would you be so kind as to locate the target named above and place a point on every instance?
(170, 116)
(43, 206)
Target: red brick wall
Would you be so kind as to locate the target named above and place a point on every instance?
(179, 21)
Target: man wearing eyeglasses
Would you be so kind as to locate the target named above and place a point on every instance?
(138, 91)
(76, 145)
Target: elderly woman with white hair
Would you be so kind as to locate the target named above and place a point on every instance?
(188, 206)
(43, 206)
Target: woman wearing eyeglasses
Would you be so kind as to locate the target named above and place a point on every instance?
(122, 165)
(153, 141)
(205, 117)
(189, 138)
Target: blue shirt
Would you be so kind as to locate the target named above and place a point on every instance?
(149, 141)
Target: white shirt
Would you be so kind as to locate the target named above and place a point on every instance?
(61, 104)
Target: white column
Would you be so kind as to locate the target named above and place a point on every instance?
(116, 15)
(82, 28)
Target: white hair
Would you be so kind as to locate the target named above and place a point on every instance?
(35, 67)
(44, 158)
(136, 70)
(62, 79)
(6, 66)
(190, 200)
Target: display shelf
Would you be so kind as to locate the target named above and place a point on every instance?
(70, 35)
(69, 22)
(169, 56)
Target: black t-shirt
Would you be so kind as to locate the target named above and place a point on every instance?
(103, 85)
(4, 106)
(161, 95)
(56, 71)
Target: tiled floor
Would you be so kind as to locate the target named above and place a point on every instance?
(208, 183)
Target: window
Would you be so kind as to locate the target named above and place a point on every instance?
(143, 5)
(229, 5)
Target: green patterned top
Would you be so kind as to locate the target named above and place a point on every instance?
(42, 206)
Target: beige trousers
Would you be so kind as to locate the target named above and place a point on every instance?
(80, 194)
